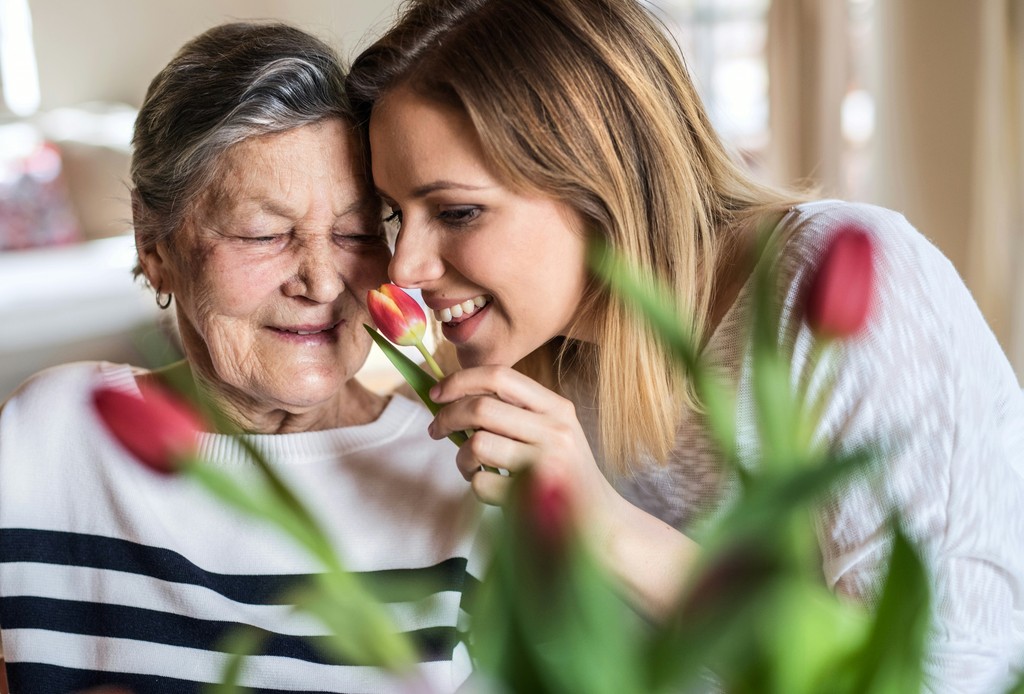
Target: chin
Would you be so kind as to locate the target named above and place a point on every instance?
(311, 389)
(469, 358)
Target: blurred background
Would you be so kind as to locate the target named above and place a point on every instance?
(917, 105)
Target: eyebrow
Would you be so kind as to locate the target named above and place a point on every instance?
(434, 186)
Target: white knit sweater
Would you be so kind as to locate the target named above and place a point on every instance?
(112, 574)
(927, 378)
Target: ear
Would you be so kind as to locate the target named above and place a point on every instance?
(152, 256)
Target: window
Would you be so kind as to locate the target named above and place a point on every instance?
(725, 45)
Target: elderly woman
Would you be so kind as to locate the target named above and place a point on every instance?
(252, 217)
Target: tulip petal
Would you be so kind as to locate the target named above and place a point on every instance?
(840, 293)
(157, 428)
(397, 315)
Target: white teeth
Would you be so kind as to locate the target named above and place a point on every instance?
(466, 308)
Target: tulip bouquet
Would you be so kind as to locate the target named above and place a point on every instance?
(755, 616)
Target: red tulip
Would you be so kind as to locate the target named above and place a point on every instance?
(158, 428)
(397, 315)
(547, 509)
(841, 291)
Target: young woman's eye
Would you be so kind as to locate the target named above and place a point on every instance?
(395, 217)
(458, 216)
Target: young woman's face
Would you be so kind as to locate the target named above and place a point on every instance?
(271, 272)
(504, 272)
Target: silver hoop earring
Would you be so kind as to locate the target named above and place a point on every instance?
(161, 303)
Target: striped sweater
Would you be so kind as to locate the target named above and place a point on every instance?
(110, 574)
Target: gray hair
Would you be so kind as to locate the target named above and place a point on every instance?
(230, 83)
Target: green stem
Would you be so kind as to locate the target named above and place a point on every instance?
(430, 360)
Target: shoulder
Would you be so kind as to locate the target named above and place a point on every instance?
(67, 384)
(807, 230)
(916, 287)
(927, 357)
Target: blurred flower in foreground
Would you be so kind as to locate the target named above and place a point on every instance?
(401, 319)
(840, 293)
(546, 510)
(157, 428)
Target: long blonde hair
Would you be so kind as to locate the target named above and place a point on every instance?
(589, 102)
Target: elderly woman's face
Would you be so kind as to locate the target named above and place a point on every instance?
(271, 273)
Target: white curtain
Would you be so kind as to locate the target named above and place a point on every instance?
(948, 149)
(807, 66)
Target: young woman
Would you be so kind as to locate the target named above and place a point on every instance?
(504, 135)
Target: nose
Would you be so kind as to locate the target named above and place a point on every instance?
(318, 277)
(417, 259)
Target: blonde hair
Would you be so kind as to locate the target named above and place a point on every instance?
(589, 102)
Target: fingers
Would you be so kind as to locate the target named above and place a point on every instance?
(517, 423)
(491, 488)
(485, 449)
(488, 413)
(500, 381)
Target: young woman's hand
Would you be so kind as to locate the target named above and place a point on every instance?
(519, 423)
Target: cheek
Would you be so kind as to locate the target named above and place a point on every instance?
(221, 292)
(367, 271)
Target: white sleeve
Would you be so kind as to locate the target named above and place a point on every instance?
(928, 380)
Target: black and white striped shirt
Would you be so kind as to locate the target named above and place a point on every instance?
(110, 574)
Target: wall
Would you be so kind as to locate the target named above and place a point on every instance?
(110, 49)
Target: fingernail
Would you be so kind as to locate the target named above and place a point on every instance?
(435, 392)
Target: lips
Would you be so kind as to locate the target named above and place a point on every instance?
(309, 329)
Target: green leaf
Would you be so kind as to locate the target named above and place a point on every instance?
(1018, 688)
(361, 631)
(777, 413)
(266, 506)
(655, 302)
(771, 499)
(417, 378)
(239, 644)
(547, 618)
(892, 659)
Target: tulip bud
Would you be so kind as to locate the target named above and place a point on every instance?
(551, 515)
(545, 512)
(840, 292)
(397, 315)
(157, 428)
